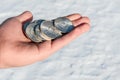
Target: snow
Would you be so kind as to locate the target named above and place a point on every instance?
(94, 55)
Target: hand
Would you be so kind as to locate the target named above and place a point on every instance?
(17, 50)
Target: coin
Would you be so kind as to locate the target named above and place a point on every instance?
(39, 21)
(37, 33)
(63, 24)
(31, 30)
(45, 36)
(31, 34)
(48, 29)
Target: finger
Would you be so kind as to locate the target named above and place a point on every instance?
(81, 21)
(73, 16)
(25, 16)
(60, 42)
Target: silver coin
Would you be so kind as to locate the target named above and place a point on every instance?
(49, 30)
(63, 24)
(41, 34)
(31, 34)
(38, 21)
(38, 33)
(37, 29)
(31, 31)
(45, 36)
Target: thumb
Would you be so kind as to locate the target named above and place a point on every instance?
(25, 16)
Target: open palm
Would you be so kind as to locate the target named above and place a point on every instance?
(17, 50)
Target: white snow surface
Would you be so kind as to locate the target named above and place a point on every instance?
(94, 55)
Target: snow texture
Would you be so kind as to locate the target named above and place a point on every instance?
(92, 56)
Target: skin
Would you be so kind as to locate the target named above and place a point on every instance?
(17, 50)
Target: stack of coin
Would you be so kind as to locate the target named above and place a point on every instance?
(41, 30)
